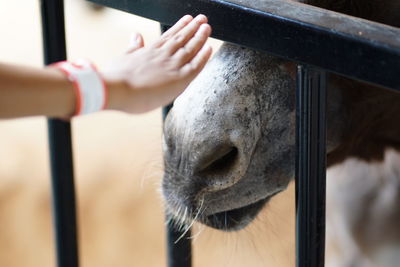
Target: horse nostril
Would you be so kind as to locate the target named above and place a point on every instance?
(220, 163)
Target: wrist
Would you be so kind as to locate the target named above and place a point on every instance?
(91, 93)
(64, 97)
(117, 93)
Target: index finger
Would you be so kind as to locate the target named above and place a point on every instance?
(173, 30)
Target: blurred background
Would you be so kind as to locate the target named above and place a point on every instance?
(118, 166)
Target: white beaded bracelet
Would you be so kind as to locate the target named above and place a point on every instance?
(90, 89)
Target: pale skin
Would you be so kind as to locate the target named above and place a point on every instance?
(141, 80)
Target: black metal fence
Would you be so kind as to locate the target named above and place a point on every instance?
(355, 48)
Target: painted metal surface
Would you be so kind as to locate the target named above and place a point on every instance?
(346, 45)
(310, 166)
(60, 146)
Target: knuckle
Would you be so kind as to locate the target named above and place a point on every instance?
(183, 73)
(165, 51)
(192, 67)
(178, 38)
(183, 52)
(165, 38)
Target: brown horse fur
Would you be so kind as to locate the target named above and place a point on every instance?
(382, 11)
(373, 113)
(373, 122)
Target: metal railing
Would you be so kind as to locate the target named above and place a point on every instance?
(62, 174)
(354, 47)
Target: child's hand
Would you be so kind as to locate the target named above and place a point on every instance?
(149, 77)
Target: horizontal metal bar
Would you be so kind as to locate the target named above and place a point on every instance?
(350, 46)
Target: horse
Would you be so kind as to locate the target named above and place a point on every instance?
(229, 139)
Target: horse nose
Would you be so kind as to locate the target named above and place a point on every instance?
(219, 167)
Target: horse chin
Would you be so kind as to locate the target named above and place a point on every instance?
(184, 213)
(235, 219)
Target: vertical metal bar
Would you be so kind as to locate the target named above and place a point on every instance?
(310, 167)
(63, 194)
(179, 253)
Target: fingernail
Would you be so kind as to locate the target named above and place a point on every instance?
(134, 38)
(200, 17)
(187, 18)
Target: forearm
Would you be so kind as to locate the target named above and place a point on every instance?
(143, 79)
(27, 91)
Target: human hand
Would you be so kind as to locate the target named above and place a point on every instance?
(149, 77)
